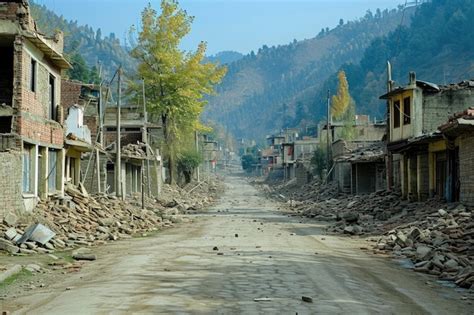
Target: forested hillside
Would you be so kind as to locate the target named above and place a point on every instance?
(274, 87)
(83, 40)
(438, 46)
(225, 57)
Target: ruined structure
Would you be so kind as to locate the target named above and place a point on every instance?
(423, 165)
(31, 121)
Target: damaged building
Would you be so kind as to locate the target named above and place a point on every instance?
(422, 166)
(31, 119)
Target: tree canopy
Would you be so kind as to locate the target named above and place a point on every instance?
(176, 80)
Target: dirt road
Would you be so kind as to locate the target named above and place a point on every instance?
(261, 254)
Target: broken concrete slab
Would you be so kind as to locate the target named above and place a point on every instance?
(10, 219)
(38, 233)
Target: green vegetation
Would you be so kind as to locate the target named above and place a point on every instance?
(187, 163)
(248, 160)
(176, 81)
(319, 161)
(105, 52)
(277, 87)
(22, 275)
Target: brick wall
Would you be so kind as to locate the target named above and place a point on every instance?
(466, 161)
(46, 132)
(70, 93)
(32, 121)
(10, 189)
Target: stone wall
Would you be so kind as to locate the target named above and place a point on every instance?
(10, 185)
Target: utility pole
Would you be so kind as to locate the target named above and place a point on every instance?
(145, 138)
(389, 162)
(196, 140)
(328, 155)
(118, 159)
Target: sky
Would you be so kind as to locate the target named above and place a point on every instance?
(239, 25)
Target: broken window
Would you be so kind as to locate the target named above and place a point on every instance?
(27, 169)
(52, 175)
(396, 114)
(33, 71)
(52, 97)
(6, 75)
(406, 111)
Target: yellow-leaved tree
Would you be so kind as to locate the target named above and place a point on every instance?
(343, 107)
(176, 80)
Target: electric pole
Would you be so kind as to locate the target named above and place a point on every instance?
(118, 160)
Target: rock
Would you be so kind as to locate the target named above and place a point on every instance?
(422, 252)
(349, 230)
(11, 233)
(8, 246)
(27, 251)
(81, 251)
(351, 217)
(89, 257)
(33, 268)
(307, 299)
(451, 264)
(215, 248)
(10, 219)
(236, 235)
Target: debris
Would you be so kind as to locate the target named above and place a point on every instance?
(307, 299)
(215, 248)
(236, 235)
(263, 299)
(88, 257)
(37, 233)
(10, 219)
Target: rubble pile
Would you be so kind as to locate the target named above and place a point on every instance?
(78, 219)
(437, 237)
(440, 243)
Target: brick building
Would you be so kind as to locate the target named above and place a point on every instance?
(31, 132)
(459, 135)
(418, 151)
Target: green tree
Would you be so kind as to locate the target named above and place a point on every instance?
(187, 163)
(80, 70)
(248, 160)
(176, 81)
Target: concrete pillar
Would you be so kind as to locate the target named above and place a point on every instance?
(422, 180)
(43, 173)
(60, 169)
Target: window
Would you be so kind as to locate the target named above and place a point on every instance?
(33, 75)
(396, 114)
(27, 169)
(52, 170)
(52, 97)
(406, 111)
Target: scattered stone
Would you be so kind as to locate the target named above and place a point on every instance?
(10, 219)
(307, 299)
(236, 235)
(88, 257)
(215, 248)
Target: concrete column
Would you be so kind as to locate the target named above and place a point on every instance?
(60, 169)
(43, 173)
(35, 169)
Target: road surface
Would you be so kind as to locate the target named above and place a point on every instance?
(265, 262)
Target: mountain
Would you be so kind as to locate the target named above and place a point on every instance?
(225, 57)
(276, 87)
(96, 49)
(438, 45)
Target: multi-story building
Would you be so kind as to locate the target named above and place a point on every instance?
(31, 121)
(418, 153)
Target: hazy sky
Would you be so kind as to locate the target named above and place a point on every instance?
(240, 25)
